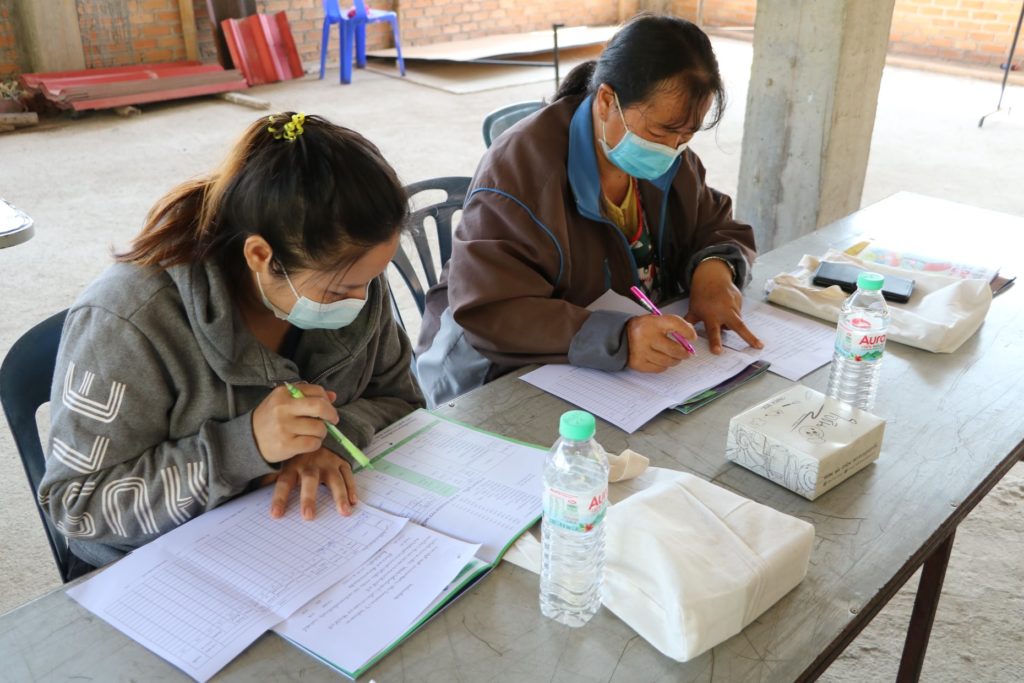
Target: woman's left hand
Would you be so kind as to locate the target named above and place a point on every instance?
(308, 471)
(716, 301)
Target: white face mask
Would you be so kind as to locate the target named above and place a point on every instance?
(307, 314)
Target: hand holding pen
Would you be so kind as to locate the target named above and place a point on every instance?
(290, 426)
(657, 342)
(335, 433)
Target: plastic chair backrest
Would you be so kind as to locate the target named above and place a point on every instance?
(500, 120)
(332, 9)
(360, 6)
(441, 212)
(25, 378)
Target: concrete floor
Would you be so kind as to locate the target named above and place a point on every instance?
(89, 183)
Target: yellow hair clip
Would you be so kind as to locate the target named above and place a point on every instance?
(290, 131)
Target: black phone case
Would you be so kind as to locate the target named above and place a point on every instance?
(844, 275)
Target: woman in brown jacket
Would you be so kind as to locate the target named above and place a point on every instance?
(596, 191)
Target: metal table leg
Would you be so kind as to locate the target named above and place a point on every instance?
(925, 604)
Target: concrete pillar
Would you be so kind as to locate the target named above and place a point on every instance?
(52, 39)
(810, 113)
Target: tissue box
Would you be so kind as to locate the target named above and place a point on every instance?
(804, 441)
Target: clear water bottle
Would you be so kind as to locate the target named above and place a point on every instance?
(860, 343)
(572, 532)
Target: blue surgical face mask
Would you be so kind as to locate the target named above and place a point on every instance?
(638, 156)
(307, 314)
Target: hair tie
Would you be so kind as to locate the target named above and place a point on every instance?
(289, 131)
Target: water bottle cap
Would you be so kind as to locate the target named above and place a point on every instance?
(870, 281)
(576, 425)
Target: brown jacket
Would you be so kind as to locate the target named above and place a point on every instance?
(533, 250)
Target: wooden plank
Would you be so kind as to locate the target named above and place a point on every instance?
(21, 119)
(218, 11)
(49, 33)
(244, 100)
(188, 28)
(503, 45)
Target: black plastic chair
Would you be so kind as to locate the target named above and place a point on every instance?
(25, 379)
(500, 120)
(441, 214)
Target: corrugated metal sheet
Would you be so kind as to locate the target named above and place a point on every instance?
(138, 84)
(263, 48)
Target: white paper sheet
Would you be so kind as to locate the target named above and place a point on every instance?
(464, 483)
(200, 594)
(629, 399)
(793, 344)
(344, 626)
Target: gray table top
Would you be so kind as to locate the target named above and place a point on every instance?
(953, 429)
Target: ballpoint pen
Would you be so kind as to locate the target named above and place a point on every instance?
(649, 305)
(352, 449)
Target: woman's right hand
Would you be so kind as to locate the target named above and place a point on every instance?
(650, 347)
(285, 427)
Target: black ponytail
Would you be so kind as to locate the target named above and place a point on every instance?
(577, 82)
(647, 52)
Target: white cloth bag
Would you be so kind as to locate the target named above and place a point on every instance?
(690, 564)
(943, 312)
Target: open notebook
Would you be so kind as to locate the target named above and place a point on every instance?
(440, 507)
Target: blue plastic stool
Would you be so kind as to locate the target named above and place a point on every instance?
(352, 28)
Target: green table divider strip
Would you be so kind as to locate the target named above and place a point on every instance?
(415, 478)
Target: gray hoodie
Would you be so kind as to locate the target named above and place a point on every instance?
(153, 393)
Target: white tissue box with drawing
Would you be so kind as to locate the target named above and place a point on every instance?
(803, 441)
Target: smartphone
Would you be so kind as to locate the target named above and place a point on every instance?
(829, 273)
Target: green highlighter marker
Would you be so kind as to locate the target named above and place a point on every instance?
(352, 449)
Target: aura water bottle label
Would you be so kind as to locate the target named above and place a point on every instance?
(575, 512)
(857, 341)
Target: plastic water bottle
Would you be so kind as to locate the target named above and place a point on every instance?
(860, 343)
(575, 501)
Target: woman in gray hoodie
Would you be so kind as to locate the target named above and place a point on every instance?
(169, 397)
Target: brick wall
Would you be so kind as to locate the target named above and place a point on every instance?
(975, 31)
(429, 21)
(731, 12)
(116, 32)
(12, 58)
(970, 31)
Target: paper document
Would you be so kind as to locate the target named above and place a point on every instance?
(343, 626)
(200, 594)
(455, 482)
(793, 344)
(345, 589)
(629, 399)
(467, 484)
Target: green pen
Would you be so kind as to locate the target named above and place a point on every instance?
(352, 449)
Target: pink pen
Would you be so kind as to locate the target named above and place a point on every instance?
(649, 305)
